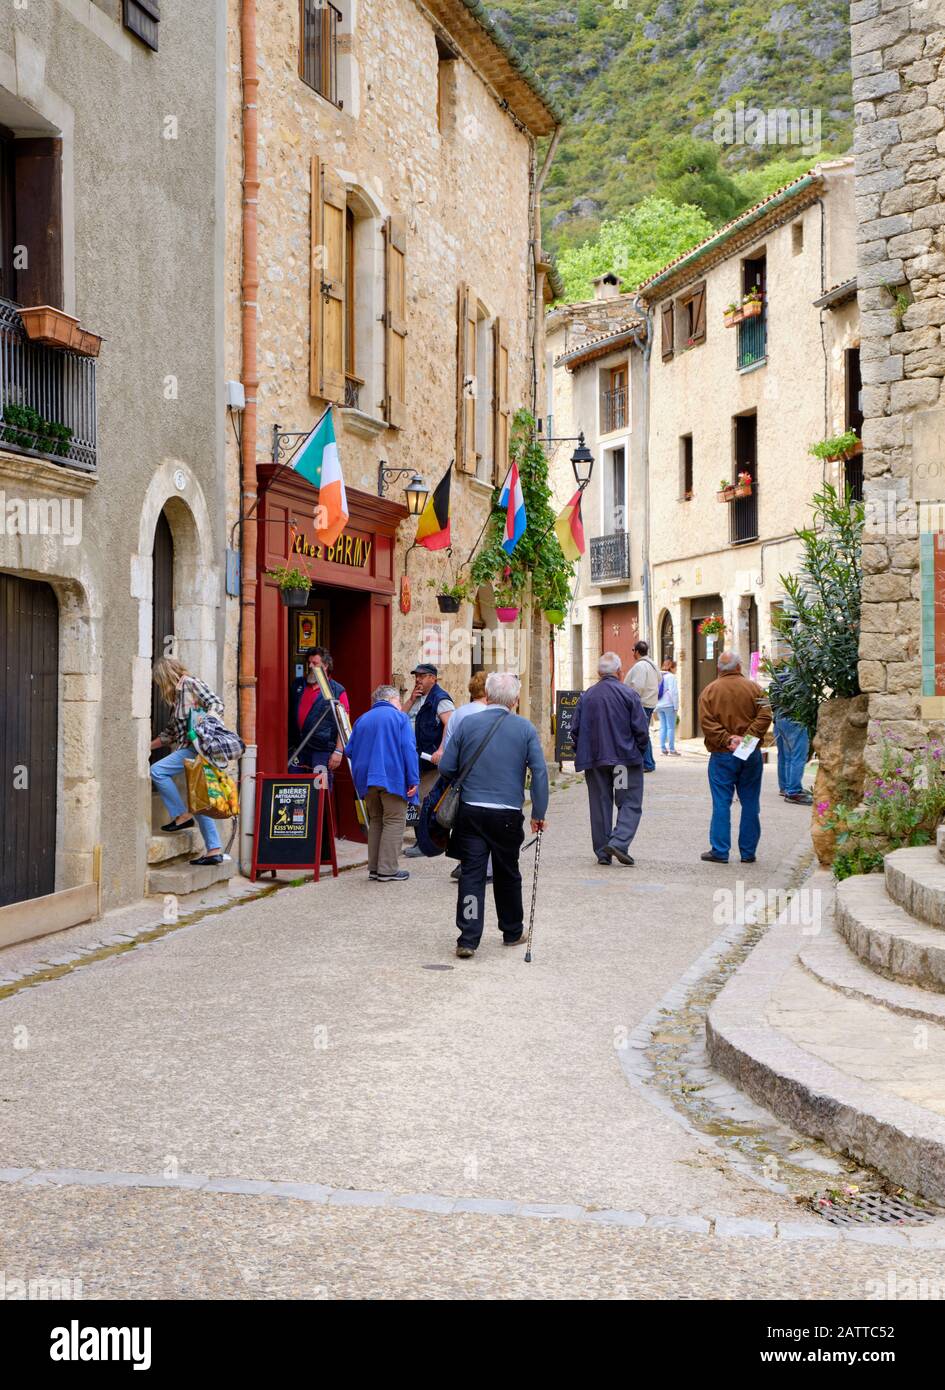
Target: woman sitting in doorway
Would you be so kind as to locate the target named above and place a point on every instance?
(187, 696)
(667, 707)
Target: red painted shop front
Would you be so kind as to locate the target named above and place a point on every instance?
(349, 611)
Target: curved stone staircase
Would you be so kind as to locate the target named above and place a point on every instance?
(838, 1026)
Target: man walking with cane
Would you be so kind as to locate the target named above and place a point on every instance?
(611, 735)
(493, 751)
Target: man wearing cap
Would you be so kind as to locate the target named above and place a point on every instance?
(430, 709)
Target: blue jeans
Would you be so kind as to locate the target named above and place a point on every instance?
(728, 775)
(667, 728)
(793, 744)
(163, 775)
(649, 762)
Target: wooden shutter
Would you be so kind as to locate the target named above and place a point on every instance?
(143, 17)
(669, 323)
(500, 403)
(327, 345)
(395, 323)
(698, 314)
(465, 372)
(38, 196)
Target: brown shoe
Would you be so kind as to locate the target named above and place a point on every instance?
(464, 952)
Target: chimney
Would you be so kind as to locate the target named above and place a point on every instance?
(606, 286)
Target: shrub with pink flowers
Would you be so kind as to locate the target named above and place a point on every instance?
(902, 806)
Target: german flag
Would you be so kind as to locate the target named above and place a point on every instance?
(569, 528)
(433, 528)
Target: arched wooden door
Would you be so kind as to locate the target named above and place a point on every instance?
(29, 736)
(667, 639)
(162, 590)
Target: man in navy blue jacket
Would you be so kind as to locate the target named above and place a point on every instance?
(611, 734)
(383, 757)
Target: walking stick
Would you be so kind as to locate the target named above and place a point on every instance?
(531, 920)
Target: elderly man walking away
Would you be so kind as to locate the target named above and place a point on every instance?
(611, 736)
(490, 819)
(732, 709)
(644, 678)
(383, 757)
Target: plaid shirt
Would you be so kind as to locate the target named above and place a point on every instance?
(192, 694)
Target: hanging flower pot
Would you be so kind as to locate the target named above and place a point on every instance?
(447, 603)
(294, 585)
(44, 324)
(506, 615)
(555, 616)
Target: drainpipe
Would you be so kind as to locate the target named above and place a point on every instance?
(249, 288)
(536, 179)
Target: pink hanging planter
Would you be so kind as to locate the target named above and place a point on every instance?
(506, 615)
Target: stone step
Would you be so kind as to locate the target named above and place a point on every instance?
(868, 1081)
(828, 958)
(180, 877)
(915, 879)
(885, 937)
(180, 844)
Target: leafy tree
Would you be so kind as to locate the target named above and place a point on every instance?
(633, 245)
(538, 553)
(820, 621)
(755, 184)
(689, 172)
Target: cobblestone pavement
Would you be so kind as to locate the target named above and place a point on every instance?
(304, 1039)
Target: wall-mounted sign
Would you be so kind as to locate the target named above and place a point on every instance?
(347, 550)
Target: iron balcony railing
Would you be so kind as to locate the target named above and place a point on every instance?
(753, 340)
(610, 557)
(43, 387)
(614, 410)
(853, 477)
(743, 518)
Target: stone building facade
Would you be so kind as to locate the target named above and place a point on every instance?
(112, 537)
(401, 283)
(899, 94)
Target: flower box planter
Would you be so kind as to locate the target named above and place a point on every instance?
(506, 615)
(725, 494)
(447, 603)
(85, 343)
(44, 324)
(295, 598)
(733, 317)
(752, 308)
(742, 489)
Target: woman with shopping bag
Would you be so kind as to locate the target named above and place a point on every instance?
(202, 746)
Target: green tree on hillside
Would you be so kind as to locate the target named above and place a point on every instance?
(633, 245)
(690, 172)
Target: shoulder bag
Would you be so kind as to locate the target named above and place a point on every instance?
(447, 808)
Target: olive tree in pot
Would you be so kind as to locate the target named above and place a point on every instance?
(816, 682)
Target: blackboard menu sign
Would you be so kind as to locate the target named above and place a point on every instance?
(290, 812)
(565, 705)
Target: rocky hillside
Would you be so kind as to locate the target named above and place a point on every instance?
(631, 74)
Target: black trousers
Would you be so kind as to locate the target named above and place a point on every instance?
(479, 832)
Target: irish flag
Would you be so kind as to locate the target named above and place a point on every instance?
(318, 462)
(569, 528)
(513, 499)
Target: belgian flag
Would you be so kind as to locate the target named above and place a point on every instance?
(433, 528)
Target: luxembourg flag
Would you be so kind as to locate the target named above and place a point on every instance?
(318, 461)
(514, 501)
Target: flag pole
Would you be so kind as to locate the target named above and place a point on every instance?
(487, 520)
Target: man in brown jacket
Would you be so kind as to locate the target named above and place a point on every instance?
(731, 709)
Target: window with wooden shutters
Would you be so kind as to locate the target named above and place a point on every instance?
(328, 242)
(395, 323)
(693, 314)
(668, 331)
(500, 403)
(466, 351)
(37, 214)
(318, 50)
(143, 18)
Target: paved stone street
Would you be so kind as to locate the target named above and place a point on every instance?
(285, 1100)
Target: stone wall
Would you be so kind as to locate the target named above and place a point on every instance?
(899, 92)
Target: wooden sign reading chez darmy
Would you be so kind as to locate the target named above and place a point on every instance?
(347, 550)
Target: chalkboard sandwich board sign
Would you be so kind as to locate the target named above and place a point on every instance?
(565, 705)
(291, 809)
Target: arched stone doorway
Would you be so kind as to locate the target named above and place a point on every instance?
(667, 638)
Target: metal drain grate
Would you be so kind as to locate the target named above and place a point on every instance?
(868, 1209)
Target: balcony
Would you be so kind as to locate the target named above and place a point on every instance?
(743, 518)
(613, 410)
(610, 557)
(47, 398)
(753, 341)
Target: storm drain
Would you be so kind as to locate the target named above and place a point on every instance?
(868, 1209)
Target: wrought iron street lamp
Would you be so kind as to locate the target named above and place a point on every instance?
(582, 460)
(416, 491)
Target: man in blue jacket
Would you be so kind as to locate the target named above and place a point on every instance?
(490, 819)
(383, 757)
(611, 732)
